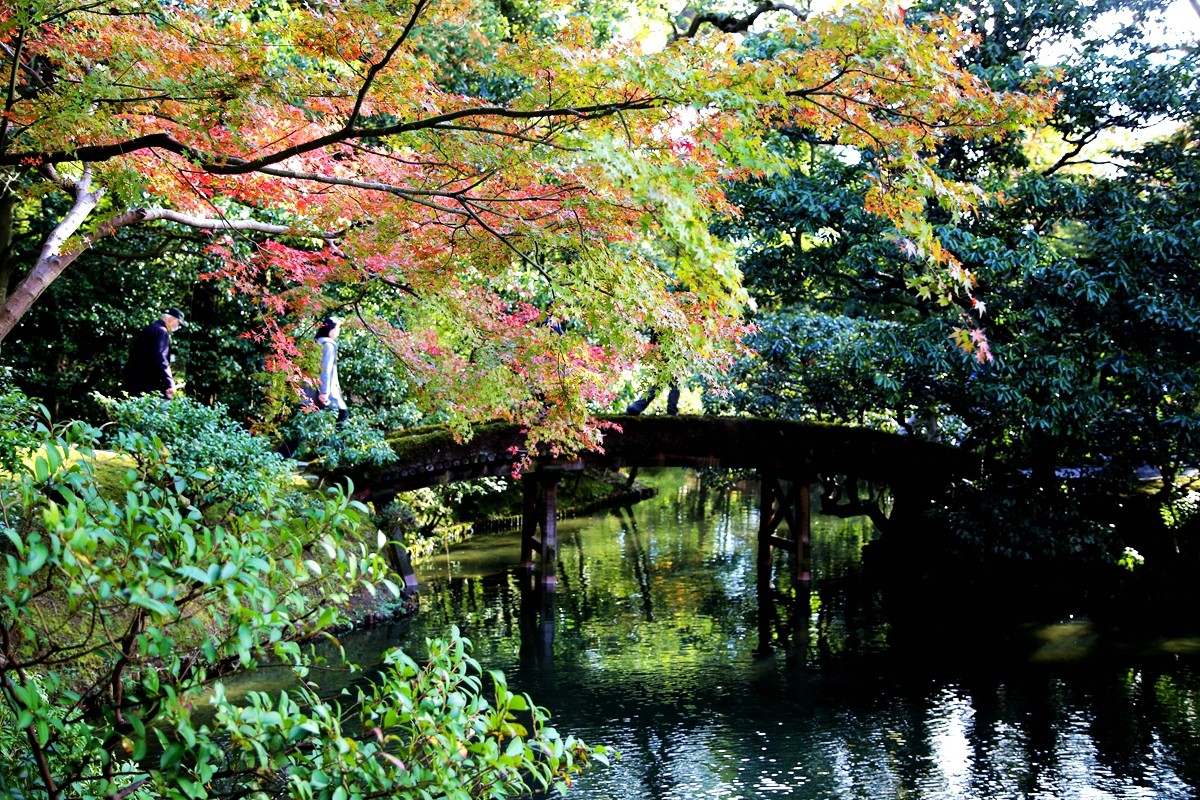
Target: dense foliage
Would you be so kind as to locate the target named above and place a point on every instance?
(131, 587)
(197, 450)
(519, 236)
(1083, 270)
(511, 212)
(312, 434)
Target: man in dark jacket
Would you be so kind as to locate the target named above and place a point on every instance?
(148, 370)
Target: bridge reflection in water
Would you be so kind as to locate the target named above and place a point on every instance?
(785, 507)
(788, 457)
(783, 595)
(908, 692)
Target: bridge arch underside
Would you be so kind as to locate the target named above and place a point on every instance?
(790, 449)
(789, 456)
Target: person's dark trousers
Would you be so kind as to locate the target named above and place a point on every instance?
(639, 405)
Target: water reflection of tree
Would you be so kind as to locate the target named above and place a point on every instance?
(638, 559)
(897, 693)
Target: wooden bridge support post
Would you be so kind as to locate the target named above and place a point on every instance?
(778, 505)
(393, 550)
(548, 500)
(401, 564)
(539, 514)
(803, 535)
(529, 521)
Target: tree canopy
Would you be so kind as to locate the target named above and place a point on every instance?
(1083, 261)
(459, 182)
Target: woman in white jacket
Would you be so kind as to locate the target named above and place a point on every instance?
(329, 391)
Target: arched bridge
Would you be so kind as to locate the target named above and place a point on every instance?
(429, 456)
(789, 456)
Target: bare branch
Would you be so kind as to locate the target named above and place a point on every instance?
(207, 223)
(375, 69)
(504, 240)
(19, 65)
(1078, 145)
(51, 174)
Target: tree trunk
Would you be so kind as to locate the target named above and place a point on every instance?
(8, 204)
(50, 263)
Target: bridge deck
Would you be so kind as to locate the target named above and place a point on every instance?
(431, 456)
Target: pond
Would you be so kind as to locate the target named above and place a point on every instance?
(653, 645)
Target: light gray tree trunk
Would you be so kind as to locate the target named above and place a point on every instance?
(51, 261)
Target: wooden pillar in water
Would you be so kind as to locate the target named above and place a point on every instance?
(394, 550)
(779, 504)
(539, 524)
(548, 500)
(529, 521)
(803, 534)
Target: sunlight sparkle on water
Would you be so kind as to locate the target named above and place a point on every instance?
(949, 726)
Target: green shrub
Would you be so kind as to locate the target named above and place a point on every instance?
(122, 610)
(352, 443)
(1016, 518)
(20, 421)
(74, 752)
(1182, 507)
(197, 449)
(429, 732)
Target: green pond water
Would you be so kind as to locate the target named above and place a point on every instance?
(653, 645)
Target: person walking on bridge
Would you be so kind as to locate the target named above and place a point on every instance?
(329, 389)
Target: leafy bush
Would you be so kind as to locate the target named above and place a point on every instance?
(75, 750)
(20, 418)
(1016, 518)
(197, 449)
(1181, 508)
(429, 732)
(123, 609)
(117, 607)
(351, 443)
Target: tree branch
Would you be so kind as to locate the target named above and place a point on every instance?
(52, 262)
(230, 165)
(375, 69)
(728, 23)
(1066, 157)
(203, 223)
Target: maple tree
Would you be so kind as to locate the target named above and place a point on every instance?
(517, 242)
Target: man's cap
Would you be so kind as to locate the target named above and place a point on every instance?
(177, 314)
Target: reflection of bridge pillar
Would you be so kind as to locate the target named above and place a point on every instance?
(539, 513)
(779, 502)
(537, 626)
